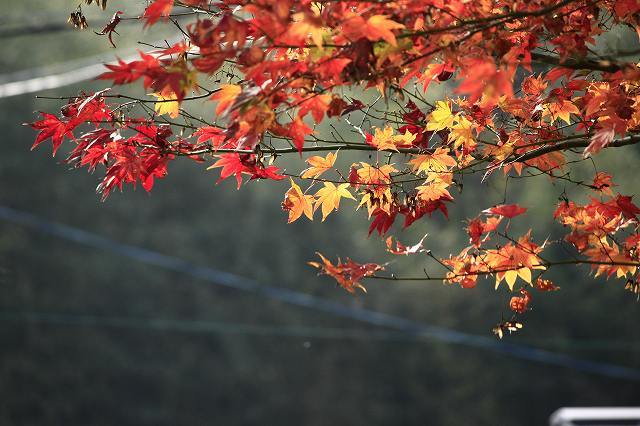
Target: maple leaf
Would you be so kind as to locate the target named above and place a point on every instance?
(603, 182)
(157, 74)
(380, 27)
(476, 228)
(520, 304)
(297, 203)
(319, 165)
(329, 197)
(600, 140)
(226, 96)
(461, 134)
(348, 274)
(441, 117)
(514, 260)
(506, 210)
(401, 249)
(158, 9)
(386, 140)
(213, 134)
(561, 110)
(404, 140)
(317, 105)
(382, 139)
(297, 131)
(627, 207)
(482, 79)
(433, 164)
(50, 127)
(232, 165)
(238, 164)
(434, 191)
(258, 171)
(382, 221)
(110, 28)
(305, 26)
(332, 68)
(608, 259)
(167, 103)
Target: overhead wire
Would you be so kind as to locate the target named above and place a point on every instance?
(53, 77)
(296, 298)
(208, 327)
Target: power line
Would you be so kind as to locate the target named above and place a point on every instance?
(226, 279)
(44, 78)
(54, 81)
(290, 331)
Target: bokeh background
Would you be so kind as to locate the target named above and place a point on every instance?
(91, 336)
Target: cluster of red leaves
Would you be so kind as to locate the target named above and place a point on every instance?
(239, 164)
(140, 157)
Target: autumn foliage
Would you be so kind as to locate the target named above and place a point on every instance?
(529, 96)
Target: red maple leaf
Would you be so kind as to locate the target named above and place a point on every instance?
(507, 210)
(51, 127)
(297, 131)
(158, 9)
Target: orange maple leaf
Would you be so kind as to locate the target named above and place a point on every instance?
(374, 28)
(380, 27)
(297, 203)
(433, 191)
(304, 26)
(432, 164)
(386, 140)
(347, 274)
(561, 110)
(226, 96)
(514, 260)
(319, 165)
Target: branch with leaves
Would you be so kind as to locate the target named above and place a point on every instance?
(286, 78)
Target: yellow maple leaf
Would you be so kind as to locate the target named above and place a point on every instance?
(383, 139)
(329, 197)
(441, 117)
(167, 104)
(386, 140)
(438, 162)
(319, 165)
(372, 175)
(405, 139)
(462, 134)
(297, 203)
(511, 276)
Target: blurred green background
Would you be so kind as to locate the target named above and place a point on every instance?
(260, 361)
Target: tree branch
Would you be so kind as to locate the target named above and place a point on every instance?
(578, 63)
(629, 140)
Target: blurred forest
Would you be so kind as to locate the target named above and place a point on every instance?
(89, 337)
